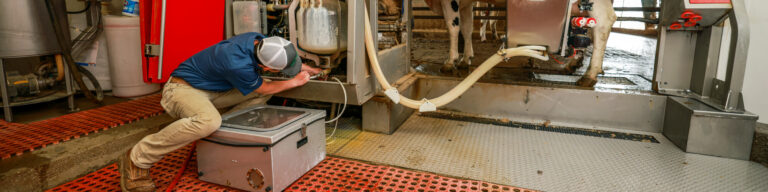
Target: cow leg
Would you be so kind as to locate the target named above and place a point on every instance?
(467, 27)
(484, 23)
(452, 19)
(482, 29)
(494, 30)
(492, 22)
(602, 10)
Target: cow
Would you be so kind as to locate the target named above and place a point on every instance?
(389, 7)
(458, 16)
(487, 23)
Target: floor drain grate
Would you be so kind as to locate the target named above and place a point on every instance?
(548, 128)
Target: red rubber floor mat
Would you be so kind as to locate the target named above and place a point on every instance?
(332, 174)
(15, 138)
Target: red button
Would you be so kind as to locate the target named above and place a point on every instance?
(696, 18)
(687, 14)
(675, 26)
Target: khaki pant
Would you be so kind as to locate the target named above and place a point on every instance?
(198, 115)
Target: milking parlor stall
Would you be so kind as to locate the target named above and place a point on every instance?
(390, 95)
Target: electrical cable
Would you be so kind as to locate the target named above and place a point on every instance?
(344, 90)
(336, 119)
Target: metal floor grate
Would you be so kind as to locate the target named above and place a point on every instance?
(332, 174)
(15, 138)
(551, 161)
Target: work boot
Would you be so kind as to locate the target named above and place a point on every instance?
(132, 178)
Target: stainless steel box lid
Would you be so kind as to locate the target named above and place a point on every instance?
(263, 124)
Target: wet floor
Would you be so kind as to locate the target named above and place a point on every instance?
(628, 63)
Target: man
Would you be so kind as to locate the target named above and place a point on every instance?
(220, 76)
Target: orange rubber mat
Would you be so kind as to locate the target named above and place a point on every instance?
(16, 138)
(332, 174)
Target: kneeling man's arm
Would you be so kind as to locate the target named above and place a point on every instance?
(274, 87)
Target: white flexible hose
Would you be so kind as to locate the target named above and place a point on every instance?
(343, 90)
(431, 104)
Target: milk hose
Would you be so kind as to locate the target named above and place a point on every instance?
(425, 105)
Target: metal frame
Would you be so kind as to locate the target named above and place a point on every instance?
(360, 84)
(679, 75)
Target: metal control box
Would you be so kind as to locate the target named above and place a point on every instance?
(537, 22)
(698, 128)
(263, 148)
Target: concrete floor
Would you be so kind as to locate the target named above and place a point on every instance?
(760, 145)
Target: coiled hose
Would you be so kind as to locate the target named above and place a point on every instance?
(425, 105)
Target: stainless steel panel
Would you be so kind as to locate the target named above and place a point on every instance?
(674, 60)
(262, 119)
(560, 106)
(391, 61)
(265, 137)
(26, 29)
(330, 91)
(711, 13)
(698, 128)
(279, 165)
(360, 83)
(380, 115)
(536, 22)
(705, 60)
(737, 58)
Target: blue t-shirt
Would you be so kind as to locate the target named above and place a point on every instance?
(226, 65)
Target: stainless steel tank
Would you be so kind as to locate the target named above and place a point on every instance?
(322, 26)
(25, 28)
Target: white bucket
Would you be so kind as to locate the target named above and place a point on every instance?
(124, 47)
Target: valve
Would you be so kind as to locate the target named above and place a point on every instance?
(584, 22)
(676, 26)
(687, 14)
(690, 24)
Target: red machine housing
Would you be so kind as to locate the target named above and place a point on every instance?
(176, 30)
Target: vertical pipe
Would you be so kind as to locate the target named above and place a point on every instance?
(70, 90)
(4, 89)
(408, 18)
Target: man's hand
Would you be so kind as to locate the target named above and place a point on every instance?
(310, 70)
(274, 87)
(300, 79)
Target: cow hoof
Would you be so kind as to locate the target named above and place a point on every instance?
(449, 69)
(586, 81)
(573, 65)
(462, 65)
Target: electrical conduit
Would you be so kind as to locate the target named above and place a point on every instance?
(425, 104)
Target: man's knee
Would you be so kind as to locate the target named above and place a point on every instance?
(207, 123)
